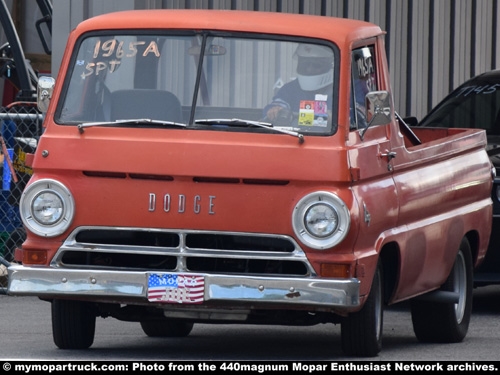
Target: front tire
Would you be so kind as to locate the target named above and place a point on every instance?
(73, 324)
(361, 332)
(447, 322)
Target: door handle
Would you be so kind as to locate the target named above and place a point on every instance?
(388, 154)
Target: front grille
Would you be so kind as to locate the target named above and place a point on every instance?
(182, 251)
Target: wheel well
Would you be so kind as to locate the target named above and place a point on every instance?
(389, 256)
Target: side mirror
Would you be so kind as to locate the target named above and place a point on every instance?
(44, 91)
(378, 109)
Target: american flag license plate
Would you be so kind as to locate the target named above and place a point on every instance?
(175, 288)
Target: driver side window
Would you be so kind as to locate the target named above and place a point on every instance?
(363, 80)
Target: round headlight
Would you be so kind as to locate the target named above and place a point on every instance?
(321, 220)
(47, 207)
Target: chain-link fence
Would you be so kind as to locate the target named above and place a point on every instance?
(21, 127)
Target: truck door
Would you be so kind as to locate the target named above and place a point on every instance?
(370, 150)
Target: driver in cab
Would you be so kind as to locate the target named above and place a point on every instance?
(308, 97)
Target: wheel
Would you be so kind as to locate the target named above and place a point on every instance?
(361, 332)
(447, 322)
(73, 324)
(284, 117)
(166, 328)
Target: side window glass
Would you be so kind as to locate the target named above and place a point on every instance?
(364, 80)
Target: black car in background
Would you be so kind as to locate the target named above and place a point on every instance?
(476, 104)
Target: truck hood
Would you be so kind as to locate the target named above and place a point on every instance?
(195, 154)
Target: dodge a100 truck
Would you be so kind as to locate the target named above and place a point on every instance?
(211, 166)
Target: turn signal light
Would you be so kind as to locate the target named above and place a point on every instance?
(335, 270)
(34, 257)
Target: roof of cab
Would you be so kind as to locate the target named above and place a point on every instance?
(338, 30)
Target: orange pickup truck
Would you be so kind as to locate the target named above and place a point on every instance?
(203, 166)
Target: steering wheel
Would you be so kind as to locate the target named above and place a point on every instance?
(284, 118)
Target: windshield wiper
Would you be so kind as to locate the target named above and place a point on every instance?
(221, 121)
(137, 121)
(242, 122)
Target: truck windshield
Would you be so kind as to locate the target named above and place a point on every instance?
(193, 79)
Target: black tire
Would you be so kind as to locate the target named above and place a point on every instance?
(73, 324)
(447, 322)
(166, 328)
(361, 332)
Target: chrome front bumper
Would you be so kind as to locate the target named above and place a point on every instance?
(131, 287)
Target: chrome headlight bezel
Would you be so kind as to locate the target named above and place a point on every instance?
(32, 219)
(330, 203)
